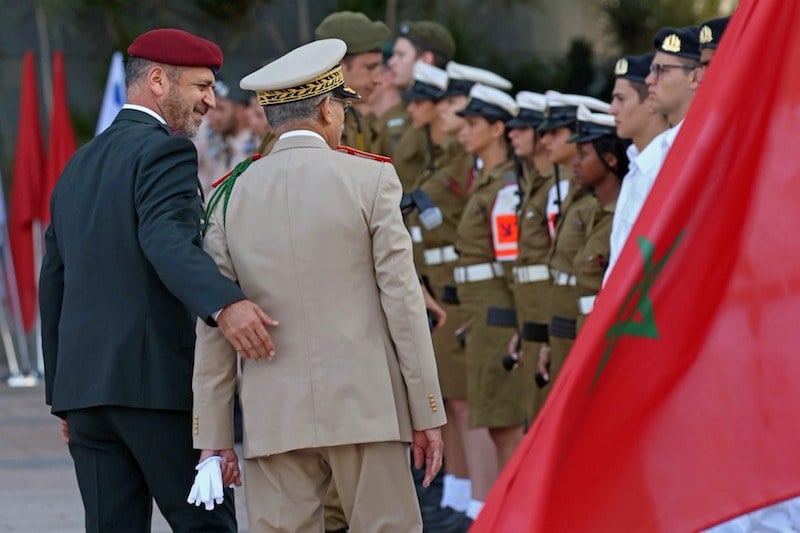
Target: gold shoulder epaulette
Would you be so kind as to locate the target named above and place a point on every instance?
(361, 153)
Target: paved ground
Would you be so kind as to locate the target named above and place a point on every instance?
(39, 493)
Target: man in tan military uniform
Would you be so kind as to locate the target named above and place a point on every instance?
(361, 67)
(431, 43)
(332, 254)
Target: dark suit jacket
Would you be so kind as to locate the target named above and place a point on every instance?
(124, 274)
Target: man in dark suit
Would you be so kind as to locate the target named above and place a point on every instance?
(122, 280)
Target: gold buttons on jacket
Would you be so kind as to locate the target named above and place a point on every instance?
(196, 425)
(432, 400)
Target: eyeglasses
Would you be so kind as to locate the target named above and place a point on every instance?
(345, 103)
(656, 69)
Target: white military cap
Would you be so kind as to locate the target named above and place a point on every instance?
(429, 83)
(463, 77)
(490, 103)
(592, 126)
(562, 109)
(305, 72)
(531, 110)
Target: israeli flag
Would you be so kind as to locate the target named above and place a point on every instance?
(114, 95)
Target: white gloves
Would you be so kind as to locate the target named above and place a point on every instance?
(207, 486)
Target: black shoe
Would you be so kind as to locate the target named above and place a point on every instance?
(445, 520)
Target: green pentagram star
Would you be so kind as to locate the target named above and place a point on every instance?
(638, 320)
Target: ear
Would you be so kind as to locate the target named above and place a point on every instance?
(695, 77)
(610, 159)
(326, 111)
(498, 129)
(427, 57)
(157, 80)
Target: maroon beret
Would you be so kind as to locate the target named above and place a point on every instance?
(176, 47)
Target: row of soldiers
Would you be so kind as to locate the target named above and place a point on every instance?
(518, 208)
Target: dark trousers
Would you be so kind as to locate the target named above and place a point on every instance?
(125, 457)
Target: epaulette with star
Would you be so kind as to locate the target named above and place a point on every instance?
(366, 155)
(222, 188)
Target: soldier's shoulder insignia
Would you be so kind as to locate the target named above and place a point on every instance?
(361, 153)
(242, 166)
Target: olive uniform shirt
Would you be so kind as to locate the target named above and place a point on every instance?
(409, 156)
(389, 128)
(357, 131)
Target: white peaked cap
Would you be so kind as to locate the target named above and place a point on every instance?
(458, 71)
(428, 74)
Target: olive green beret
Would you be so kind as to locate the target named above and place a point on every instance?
(357, 31)
(430, 36)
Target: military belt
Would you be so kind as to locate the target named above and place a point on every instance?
(531, 273)
(563, 327)
(534, 332)
(586, 304)
(562, 278)
(480, 272)
(416, 234)
(501, 317)
(437, 256)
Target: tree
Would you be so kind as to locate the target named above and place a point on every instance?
(634, 22)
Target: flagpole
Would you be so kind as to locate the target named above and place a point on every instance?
(37, 267)
(16, 379)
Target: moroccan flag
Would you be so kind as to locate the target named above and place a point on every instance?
(677, 408)
(61, 140)
(26, 190)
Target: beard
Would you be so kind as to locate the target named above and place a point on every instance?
(180, 113)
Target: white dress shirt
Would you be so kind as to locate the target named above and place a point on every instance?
(642, 172)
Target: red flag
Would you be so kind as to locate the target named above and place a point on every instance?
(61, 140)
(26, 190)
(676, 409)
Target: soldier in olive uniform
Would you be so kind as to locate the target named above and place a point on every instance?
(444, 180)
(361, 67)
(530, 272)
(600, 165)
(485, 237)
(431, 43)
(577, 213)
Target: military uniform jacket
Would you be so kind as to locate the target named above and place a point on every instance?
(576, 218)
(474, 234)
(534, 239)
(591, 260)
(316, 238)
(124, 275)
(409, 156)
(389, 128)
(357, 132)
(446, 184)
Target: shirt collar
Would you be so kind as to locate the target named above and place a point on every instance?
(298, 133)
(145, 110)
(645, 160)
(670, 134)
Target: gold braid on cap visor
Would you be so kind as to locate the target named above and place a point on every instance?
(324, 83)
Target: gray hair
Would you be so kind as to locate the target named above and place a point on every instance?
(301, 110)
(136, 70)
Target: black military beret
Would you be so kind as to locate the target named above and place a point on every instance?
(680, 42)
(633, 68)
(711, 32)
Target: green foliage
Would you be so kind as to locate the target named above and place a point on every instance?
(634, 22)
